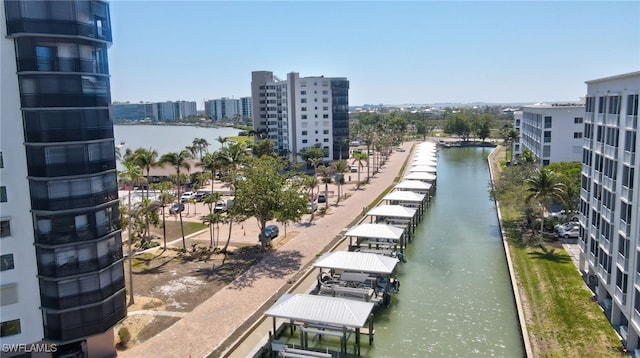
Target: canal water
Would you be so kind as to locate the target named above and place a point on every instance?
(456, 298)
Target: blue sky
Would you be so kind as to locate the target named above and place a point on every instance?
(391, 52)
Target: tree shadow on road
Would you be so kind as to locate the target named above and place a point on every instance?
(276, 265)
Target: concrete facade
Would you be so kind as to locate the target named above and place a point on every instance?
(610, 201)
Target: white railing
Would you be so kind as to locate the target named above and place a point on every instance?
(610, 151)
(631, 122)
(627, 193)
(620, 296)
(624, 261)
(613, 119)
(629, 157)
(609, 183)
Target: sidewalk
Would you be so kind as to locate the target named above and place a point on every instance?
(209, 325)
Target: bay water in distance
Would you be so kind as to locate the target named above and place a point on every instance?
(165, 139)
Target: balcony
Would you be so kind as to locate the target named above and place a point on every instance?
(603, 274)
(612, 119)
(610, 151)
(637, 279)
(609, 183)
(623, 261)
(627, 193)
(83, 298)
(620, 296)
(631, 122)
(629, 157)
(77, 267)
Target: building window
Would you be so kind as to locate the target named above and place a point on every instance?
(326, 131)
(9, 328)
(325, 100)
(547, 121)
(325, 116)
(304, 116)
(304, 141)
(614, 104)
(304, 109)
(5, 228)
(546, 151)
(632, 105)
(325, 108)
(303, 92)
(3, 194)
(8, 294)
(6, 262)
(546, 162)
(303, 100)
(547, 136)
(577, 120)
(325, 92)
(304, 132)
(577, 134)
(326, 140)
(1, 161)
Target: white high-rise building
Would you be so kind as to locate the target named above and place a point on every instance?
(552, 132)
(62, 277)
(301, 112)
(610, 201)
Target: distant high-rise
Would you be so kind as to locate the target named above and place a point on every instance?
(62, 275)
(301, 112)
(224, 108)
(610, 201)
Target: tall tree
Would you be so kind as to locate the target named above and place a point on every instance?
(131, 173)
(146, 159)
(509, 136)
(165, 198)
(325, 172)
(178, 160)
(340, 167)
(359, 158)
(544, 186)
(233, 155)
(222, 140)
(260, 194)
(201, 144)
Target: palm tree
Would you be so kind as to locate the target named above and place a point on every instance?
(232, 156)
(131, 173)
(326, 179)
(178, 161)
(359, 158)
(165, 198)
(222, 141)
(543, 187)
(211, 219)
(145, 159)
(340, 167)
(211, 162)
(368, 134)
(201, 144)
(510, 136)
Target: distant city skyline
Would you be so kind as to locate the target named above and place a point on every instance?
(392, 52)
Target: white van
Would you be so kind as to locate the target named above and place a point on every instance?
(354, 168)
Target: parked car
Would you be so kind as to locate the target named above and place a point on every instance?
(271, 232)
(400, 149)
(186, 196)
(354, 168)
(199, 196)
(568, 225)
(176, 208)
(571, 232)
(558, 214)
(322, 198)
(312, 207)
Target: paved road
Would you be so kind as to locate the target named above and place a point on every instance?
(205, 328)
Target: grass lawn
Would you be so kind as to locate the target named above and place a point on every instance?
(241, 139)
(562, 318)
(173, 229)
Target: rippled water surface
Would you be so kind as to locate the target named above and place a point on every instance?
(456, 297)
